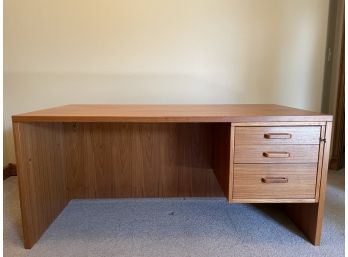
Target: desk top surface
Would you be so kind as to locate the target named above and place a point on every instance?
(171, 113)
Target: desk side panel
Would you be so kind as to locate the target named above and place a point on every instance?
(309, 216)
(222, 156)
(41, 176)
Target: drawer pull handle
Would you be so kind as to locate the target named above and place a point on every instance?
(276, 154)
(269, 180)
(277, 136)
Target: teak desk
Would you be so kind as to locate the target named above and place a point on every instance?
(248, 153)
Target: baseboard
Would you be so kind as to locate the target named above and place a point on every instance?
(10, 170)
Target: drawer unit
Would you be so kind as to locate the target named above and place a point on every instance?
(305, 135)
(276, 153)
(275, 163)
(274, 181)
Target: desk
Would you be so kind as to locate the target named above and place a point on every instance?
(247, 153)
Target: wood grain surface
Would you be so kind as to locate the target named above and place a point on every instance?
(301, 181)
(304, 135)
(41, 176)
(258, 153)
(273, 200)
(172, 113)
(222, 150)
(110, 160)
(309, 217)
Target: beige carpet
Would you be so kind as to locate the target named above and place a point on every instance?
(174, 227)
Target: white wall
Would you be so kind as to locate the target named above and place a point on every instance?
(161, 51)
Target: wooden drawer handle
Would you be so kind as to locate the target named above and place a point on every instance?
(277, 136)
(269, 180)
(276, 154)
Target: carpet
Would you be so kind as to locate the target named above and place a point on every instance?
(175, 227)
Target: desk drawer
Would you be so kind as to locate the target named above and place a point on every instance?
(276, 154)
(269, 181)
(305, 135)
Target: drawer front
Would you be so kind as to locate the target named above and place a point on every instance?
(269, 181)
(276, 154)
(305, 135)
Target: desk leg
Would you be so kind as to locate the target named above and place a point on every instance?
(41, 176)
(309, 216)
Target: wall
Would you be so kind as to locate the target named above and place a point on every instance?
(154, 51)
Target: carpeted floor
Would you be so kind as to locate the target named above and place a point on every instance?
(175, 227)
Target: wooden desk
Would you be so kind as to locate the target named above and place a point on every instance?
(248, 153)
